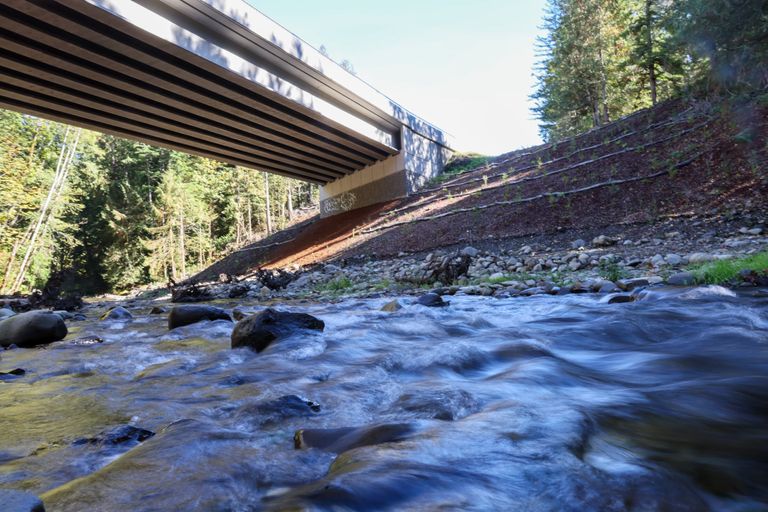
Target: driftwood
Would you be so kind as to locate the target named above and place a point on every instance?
(544, 195)
(564, 169)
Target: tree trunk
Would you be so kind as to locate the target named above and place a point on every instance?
(269, 207)
(651, 57)
(182, 245)
(60, 176)
(290, 202)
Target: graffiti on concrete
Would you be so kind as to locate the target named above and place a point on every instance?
(341, 203)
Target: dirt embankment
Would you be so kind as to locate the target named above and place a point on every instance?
(678, 160)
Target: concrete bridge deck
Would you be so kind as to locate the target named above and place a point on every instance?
(215, 78)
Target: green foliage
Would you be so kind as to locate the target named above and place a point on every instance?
(600, 60)
(611, 271)
(724, 271)
(337, 285)
(459, 164)
(125, 213)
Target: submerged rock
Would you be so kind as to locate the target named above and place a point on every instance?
(392, 306)
(117, 313)
(19, 501)
(6, 313)
(31, 329)
(622, 299)
(337, 440)
(158, 310)
(13, 374)
(432, 300)
(119, 435)
(187, 315)
(258, 331)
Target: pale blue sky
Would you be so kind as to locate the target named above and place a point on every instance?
(464, 65)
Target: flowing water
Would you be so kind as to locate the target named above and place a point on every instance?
(528, 404)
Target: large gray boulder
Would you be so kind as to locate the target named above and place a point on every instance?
(258, 331)
(31, 329)
(187, 315)
(19, 501)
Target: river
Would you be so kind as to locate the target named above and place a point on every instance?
(522, 404)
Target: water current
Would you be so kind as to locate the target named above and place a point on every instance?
(521, 404)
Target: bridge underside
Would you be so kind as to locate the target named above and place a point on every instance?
(148, 75)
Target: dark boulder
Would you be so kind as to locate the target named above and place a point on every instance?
(279, 409)
(186, 315)
(190, 293)
(432, 300)
(19, 501)
(258, 331)
(117, 313)
(337, 440)
(119, 435)
(13, 374)
(622, 299)
(158, 310)
(238, 290)
(31, 329)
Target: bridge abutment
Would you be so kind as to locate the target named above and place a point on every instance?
(400, 175)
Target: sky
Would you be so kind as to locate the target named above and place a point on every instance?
(463, 65)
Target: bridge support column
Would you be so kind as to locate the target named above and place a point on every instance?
(419, 160)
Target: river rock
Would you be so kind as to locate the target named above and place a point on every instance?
(119, 435)
(469, 251)
(682, 279)
(673, 259)
(13, 374)
(392, 306)
(279, 409)
(432, 300)
(158, 310)
(337, 440)
(630, 284)
(608, 287)
(31, 329)
(578, 244)
(117, 313)
(238, 290)
(6, 313)
(19, 501)
(187, 315)
(258, 331)
(621, 299)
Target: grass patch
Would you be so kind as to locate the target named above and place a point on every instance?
(459, 164)
(611, 271)
(337, 285)
(723, 271)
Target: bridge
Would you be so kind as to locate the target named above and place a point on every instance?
(218, 79)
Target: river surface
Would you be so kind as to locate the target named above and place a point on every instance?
(521, 404)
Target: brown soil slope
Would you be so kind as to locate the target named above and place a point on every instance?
(675, 160)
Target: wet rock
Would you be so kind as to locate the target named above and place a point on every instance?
(630, 284)
(117, 313)
(13, 374)
(608, 287)
(279, 409)
(31, 329)
(622, 299)
(187, 315)
(337, 440)
(120, 435)
(753, 277)
(257, 332)
(446, 405)
(19, 501)
(87, 341)
(190, 293)
(392, 306)
(432, 300)
(682, 279)
(158, 310)
(65, 315)
(6, 313)
(78, 317)
(238, 314)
